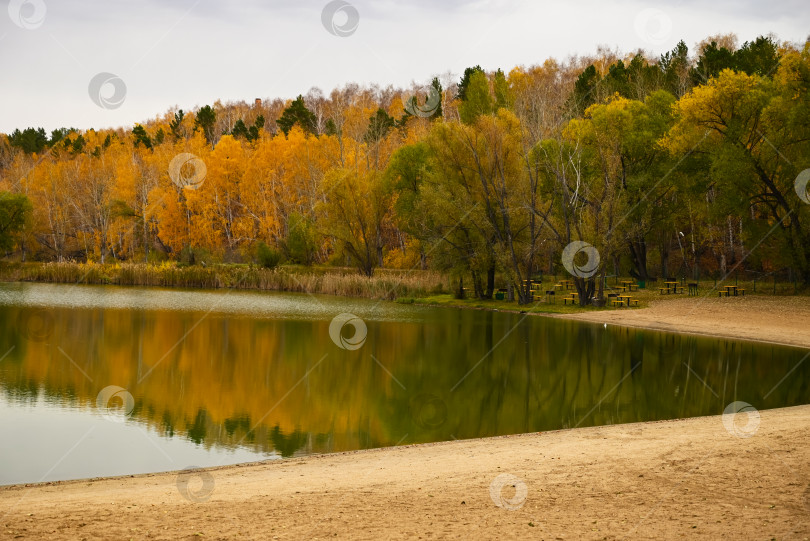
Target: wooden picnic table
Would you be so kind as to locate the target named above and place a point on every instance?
(733, 290)
(625, 299)
(671, 287)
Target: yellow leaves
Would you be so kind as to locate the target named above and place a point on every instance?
(605, 124)
(396, 109)
(793, 71)
(167, 206)
(355, 211)
(527, 80)
(407, 258)
(705, 113)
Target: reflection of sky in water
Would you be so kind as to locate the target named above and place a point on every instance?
(300, 306)
(48, 442)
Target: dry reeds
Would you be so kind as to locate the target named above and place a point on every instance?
(387, 284)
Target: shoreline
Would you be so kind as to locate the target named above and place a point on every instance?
(777, 320)
(773, 320)
(687, 477)
(669, 478)
(373, 450)
(664, 328)
(652, 325)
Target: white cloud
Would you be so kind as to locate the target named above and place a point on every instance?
(188, 53)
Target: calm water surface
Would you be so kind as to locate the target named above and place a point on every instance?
(98, 381)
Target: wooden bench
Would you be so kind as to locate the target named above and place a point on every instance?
(723, 292)
(566, 299)
(679, 290)
(740, 292)
(634, 302)
(616, 303)
(663, 290)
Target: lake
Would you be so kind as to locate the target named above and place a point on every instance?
(102, 380)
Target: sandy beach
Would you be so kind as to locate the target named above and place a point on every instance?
(781, 320)
(689, 478)
(693, 478)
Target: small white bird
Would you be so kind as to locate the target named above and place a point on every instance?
(606, 325)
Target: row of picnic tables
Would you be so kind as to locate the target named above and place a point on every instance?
(670, 287)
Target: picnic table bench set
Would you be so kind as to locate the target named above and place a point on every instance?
(731, 291)
(671, 288)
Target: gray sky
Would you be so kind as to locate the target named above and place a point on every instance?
(193, 52)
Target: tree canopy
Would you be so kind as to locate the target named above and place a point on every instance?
(683, 164)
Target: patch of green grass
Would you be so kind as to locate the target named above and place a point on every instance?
(481, 304)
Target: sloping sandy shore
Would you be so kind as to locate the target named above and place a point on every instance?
(784, 320)
(688, 478)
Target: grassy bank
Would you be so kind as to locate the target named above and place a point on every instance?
(386, 284)
(541, 307)
(706, 289)
(406, 286)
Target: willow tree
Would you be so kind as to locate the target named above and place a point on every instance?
(600, 199)
(756, 134)
(356, 214)
(622, 136)
(488, 170)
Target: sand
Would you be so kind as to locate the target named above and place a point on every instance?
(687, 478)
(694, 478)
(783, 320)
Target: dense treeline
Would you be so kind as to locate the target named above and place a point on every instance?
(670, 166)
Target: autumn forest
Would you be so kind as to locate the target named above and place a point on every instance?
(686, 164)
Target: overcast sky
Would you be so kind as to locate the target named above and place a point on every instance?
(192, 52)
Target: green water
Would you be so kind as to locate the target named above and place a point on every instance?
(207, 378)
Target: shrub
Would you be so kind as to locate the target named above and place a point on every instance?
(267, 257)
(190, 255)
(300, 243)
